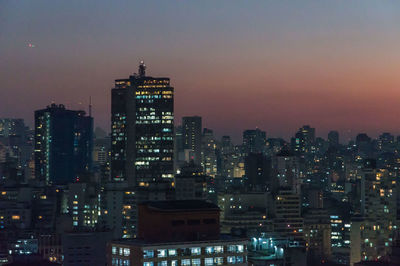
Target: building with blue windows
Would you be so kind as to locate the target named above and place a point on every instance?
(63, 144)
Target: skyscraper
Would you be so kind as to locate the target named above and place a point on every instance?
(333, 138)
(63, 144)
(209, 155)
(191, 129)
(142, 133)
(254, 141)
(304, 140)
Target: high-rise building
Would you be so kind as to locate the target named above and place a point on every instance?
(191, 133)
(333, 138)
(287, 169)
(288, 221)
(63, 144)
(175, 233)
(191, 183)
(142, 129)
(304, 140)
(254, 140)
(83, 204)
(12, 127)
(378, 207)
(257, 170)
(209, 153)
(317, 234)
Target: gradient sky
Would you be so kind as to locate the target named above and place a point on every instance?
(275, 65)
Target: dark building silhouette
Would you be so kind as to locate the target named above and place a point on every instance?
(254, 140)
(304, 140)
(181, 220)
(257, 171)
(63, 144)
(333, 138)
(142, 129)
(191, 136)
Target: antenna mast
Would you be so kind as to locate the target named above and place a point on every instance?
(90, 106)
(142, 69)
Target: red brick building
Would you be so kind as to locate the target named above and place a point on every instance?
(164, 221)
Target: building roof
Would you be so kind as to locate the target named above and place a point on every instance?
(140, 242)
(181, 205)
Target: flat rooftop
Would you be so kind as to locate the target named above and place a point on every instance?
(140, 242)
(181, 205)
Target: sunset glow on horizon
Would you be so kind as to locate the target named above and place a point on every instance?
(275, 65)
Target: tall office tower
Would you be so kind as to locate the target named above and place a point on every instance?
(12, 127)
(191, 133)
(287, 169)
(304, 140)
(179, 159)
(333, 138)
(257, 172)
(63, 144)
(14, 135)
(317, 234)
(379, 209)
(364, 144)
(83, 204)
(226, 145)
(231, 162)
(288, 222)
(254, 141)
(191, 183)
(142, 132)
(386, 142)
(209, 153)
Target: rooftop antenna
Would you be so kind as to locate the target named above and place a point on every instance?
(90, 106)
(142, 69)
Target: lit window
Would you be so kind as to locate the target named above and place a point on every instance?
(148, 254)
(209, 250)
(172, 252)
(196, 262)
(219, 261)
(114, 250)
(185, 262)
(195, 251)
(208, 261)
(161, 253)
(231, 259)
(127, 251)
(218, 249)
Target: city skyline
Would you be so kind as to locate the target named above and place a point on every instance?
(199, 133)
(260, 68)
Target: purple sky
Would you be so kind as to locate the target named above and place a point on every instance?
(275, 65)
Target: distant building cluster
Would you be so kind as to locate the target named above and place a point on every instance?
(155, 193)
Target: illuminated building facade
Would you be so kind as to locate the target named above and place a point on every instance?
(379, 201)
(185, 232)
(288, 221)
(83, 204)
(142, 129)
(63, 144)
(191, 133)
(209, 153)
(304, 140)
